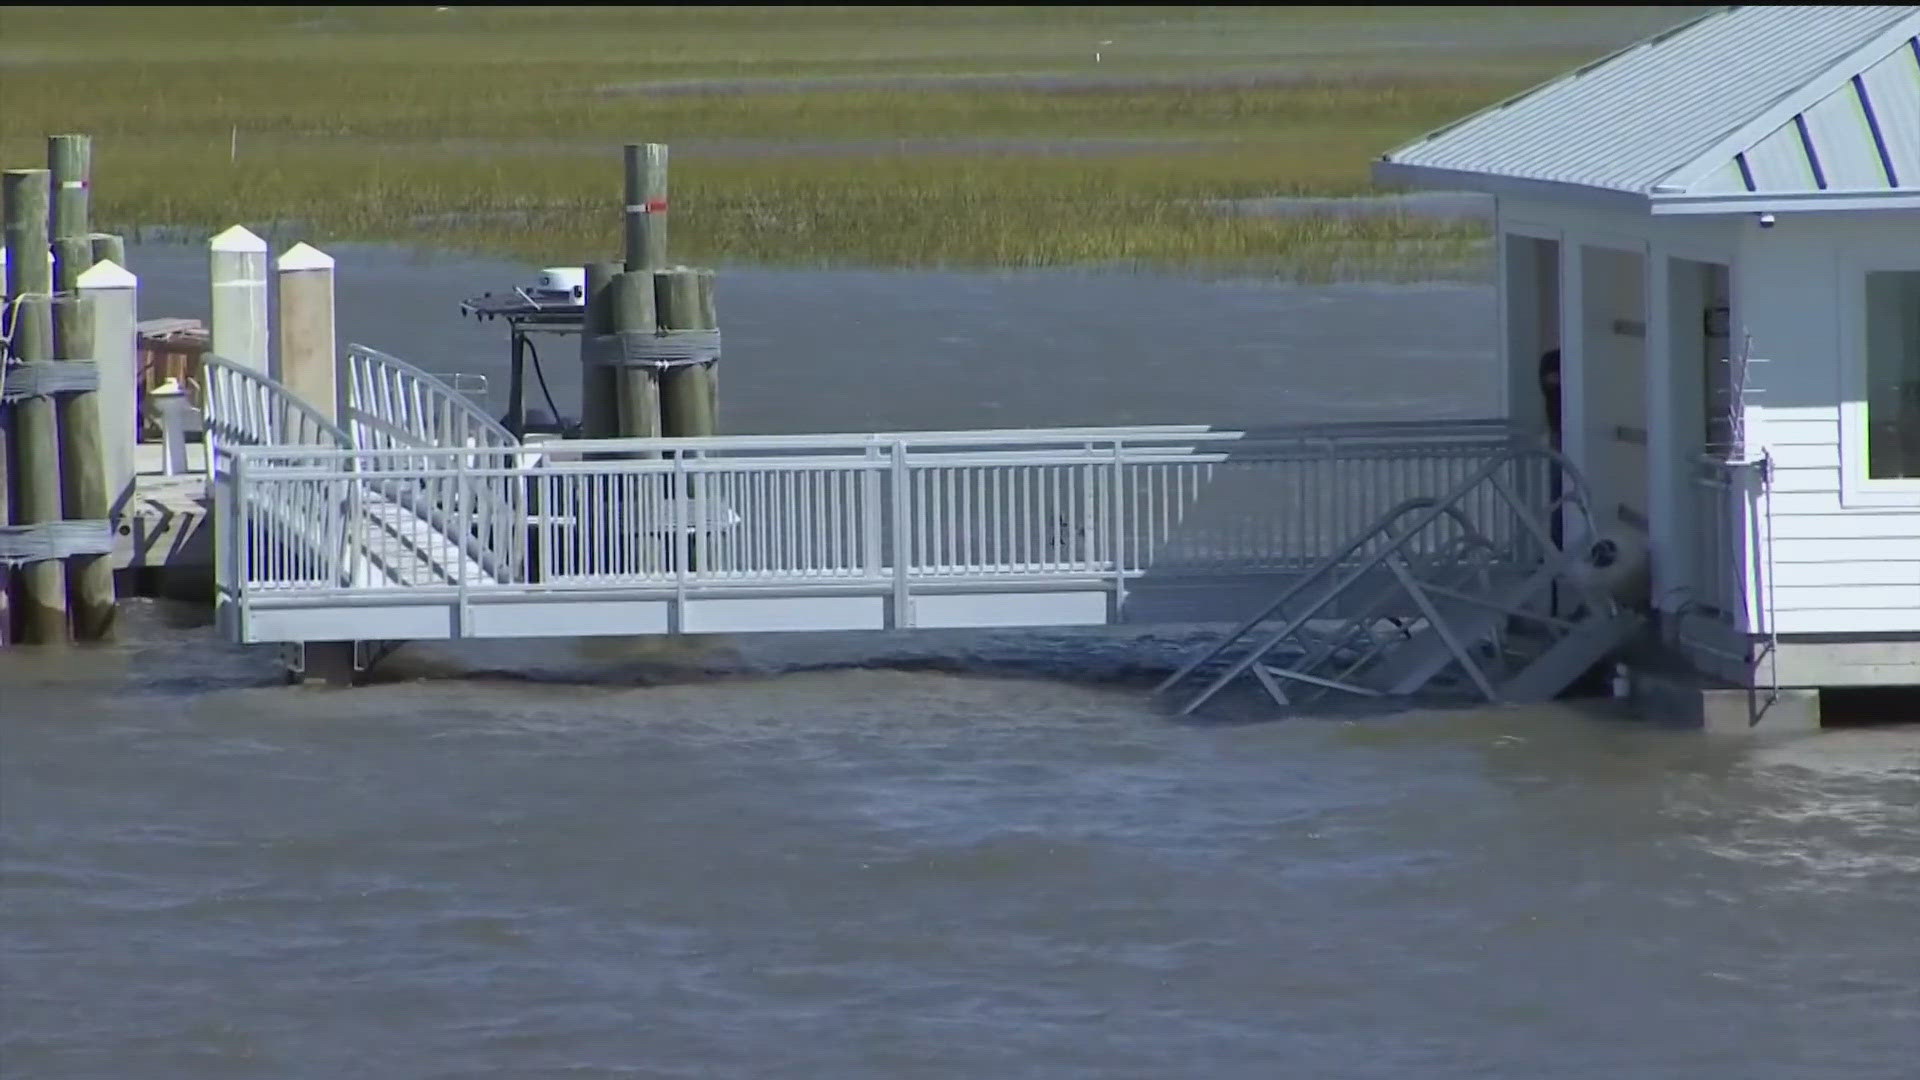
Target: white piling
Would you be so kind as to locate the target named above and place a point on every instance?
(116, 349)
(239, 275)
(307, 358)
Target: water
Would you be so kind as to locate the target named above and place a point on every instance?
(944, 855)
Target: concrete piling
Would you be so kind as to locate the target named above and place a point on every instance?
(113, 293)
(238, 263)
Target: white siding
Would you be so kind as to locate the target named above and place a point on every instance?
(1837, 568)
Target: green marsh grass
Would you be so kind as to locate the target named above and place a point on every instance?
(498, 130)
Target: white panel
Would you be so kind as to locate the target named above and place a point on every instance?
(1847, 526)
(567, 618)
(1724, 180)
(1011, 609)
(1855, 621)
(748, 614)
(1798, 481)
(1844, 143)
(1776, 431)
(413, 622)
(1779, 162)
(1840, 572)
(1893, 85)
(1807, 456)
(1863, 549)
(1800, 504)
(1851, 598)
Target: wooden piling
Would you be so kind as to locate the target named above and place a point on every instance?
(70, 160)
(83, 479)
(599, 410)
(646, 209)
(35, 464)
(687, 398)
(631, 309)
(305, 279)
(110, 247)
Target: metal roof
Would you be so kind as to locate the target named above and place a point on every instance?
(1804, 106)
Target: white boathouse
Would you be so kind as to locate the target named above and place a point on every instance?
(1718, 230)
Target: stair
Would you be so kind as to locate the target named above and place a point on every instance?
(1483, 618)
(1592, 641)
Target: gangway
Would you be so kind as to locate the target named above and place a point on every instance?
(418, 517)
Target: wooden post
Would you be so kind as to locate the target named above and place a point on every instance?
(108, 247)
(687, 400)
(36, 440)
(646, 211)
(307, 365)
(114, 294)
(599, 413)
(631, 309)
(83, 466)
(239, 276)
(70, 159)
(82, 463)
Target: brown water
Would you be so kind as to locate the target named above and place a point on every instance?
(954, 854)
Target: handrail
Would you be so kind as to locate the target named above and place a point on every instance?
(392, 405)
(251, 409)
(469, 420)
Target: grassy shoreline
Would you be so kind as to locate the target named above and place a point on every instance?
(498, 130)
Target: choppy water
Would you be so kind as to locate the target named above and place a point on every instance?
(948, 855)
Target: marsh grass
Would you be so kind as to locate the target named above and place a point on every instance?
(499, 129)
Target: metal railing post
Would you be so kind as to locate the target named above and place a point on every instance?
(1118, 534)
(902, 528)
(870, 520)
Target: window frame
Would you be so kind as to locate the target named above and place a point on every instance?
(1857, 487)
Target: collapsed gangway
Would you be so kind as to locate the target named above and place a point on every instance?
(1370, 559)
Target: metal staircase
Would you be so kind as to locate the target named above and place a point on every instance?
(1426, 600)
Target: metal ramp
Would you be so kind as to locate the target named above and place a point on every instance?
(308, 533)
(1426, 599)
(418, 517)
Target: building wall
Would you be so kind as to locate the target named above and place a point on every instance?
(1613, 265)
(1840, 564)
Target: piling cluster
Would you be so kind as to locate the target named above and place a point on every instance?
(650, 341)
(56, 541)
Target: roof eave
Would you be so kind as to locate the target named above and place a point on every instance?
(1400, 173)
(1786, 202)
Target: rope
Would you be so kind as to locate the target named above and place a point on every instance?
(657, 348)
(54, 540)
(44, 378)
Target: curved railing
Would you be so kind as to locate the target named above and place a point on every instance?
(247, 409)
(392, 405)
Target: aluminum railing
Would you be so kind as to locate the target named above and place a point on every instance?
(898, 511)
(391, 405)
(1729, 515)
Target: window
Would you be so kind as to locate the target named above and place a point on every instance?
(1893, 374)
